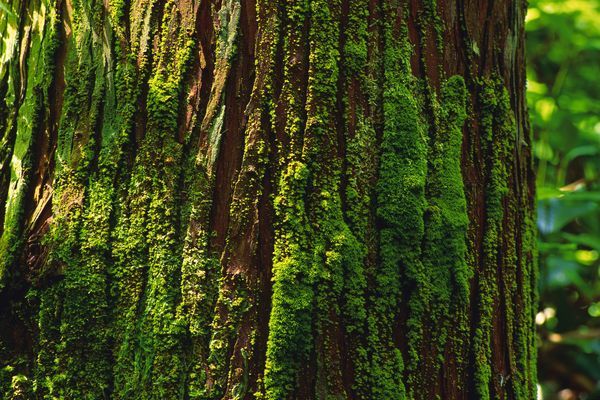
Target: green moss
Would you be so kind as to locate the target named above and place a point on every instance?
(199, 278)
(515, 219)
(212, 307)
(400, 208)
(128, 252)
(361, 170)
(355, 47)
(358, 172)
(321, 249)
(149, 354)
(23, 130)
(527, 333)
(21, 388)
(370, 211)
(429, 19)
(80, 366)
(448, 187)
(289, 342)
(445, 290)
(293, 91)
(46, 371)
(497, 127)
(84, 338)
(331, 234)
(232, 305)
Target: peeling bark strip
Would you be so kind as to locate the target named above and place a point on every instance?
(303, 199)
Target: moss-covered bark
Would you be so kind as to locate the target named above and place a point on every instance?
(307, 199)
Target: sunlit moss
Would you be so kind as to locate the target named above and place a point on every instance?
(22, 129)
(84, 286)
(293, 294)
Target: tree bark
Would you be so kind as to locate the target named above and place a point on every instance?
(301, 199)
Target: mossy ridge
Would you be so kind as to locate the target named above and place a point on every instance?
(509, 300)
(446, 291)
(29, 44)
(199, 268)
(431, 30)
(323, 260)
(454, 100)
(290, 341)
(89, 349)
(359, 175)
(361, 168)
(290, 105)
(50, 310)
(426, 339)
(373, 132)
(323, 201)
(233, 304)
(199, 278)
(290, 335)
(77, 146)
(497, 132)
(25, 117)
(6, 148)
(122, 91)
(400, 206)
(515, 292)
(128, 274)
(128, 237)
(519, 274)
(201, 264)
(199, 274)
(157, 333)
(527, 333)
(235, 328)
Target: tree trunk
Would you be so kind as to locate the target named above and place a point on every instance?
(300, 199)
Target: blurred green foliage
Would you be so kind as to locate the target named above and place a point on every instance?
(563, 46)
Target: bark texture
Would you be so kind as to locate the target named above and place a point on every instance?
(265, 199)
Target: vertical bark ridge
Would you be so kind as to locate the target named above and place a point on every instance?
(355, 128)
(232, 324)
(289, 342)
(199, 269)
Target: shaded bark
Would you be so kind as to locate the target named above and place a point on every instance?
(274, 200)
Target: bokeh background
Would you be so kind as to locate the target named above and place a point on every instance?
(563, 46)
